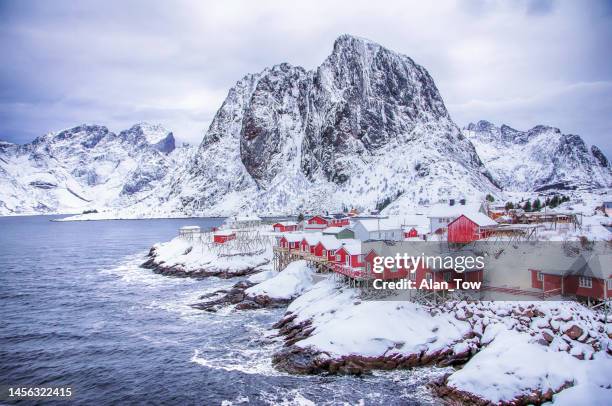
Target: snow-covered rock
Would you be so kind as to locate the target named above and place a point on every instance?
(194, 258)
(538, 159)
(287, 284)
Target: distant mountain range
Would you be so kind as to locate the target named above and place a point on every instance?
(86, 168)
(366, 128)
(538, 159)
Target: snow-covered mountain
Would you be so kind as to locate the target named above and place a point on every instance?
(538, 159)
(84, 168)
(366, 126)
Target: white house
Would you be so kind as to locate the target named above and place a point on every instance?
(378, 229)
(442, 214)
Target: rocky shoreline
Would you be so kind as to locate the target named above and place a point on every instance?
(564, 332)
(177, 270)
(237, 297)
(306, 360)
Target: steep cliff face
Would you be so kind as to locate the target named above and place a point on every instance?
(85, 167)
(539, 159)
(367, 125)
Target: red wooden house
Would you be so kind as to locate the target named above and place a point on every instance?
(290, 241)
(349, 260)
(221, 237)
(590, 278)
(285, 226)
(339, 221)
(326, 248)
(316, 223)
(309, 242)
(411, 233)
(470, 227)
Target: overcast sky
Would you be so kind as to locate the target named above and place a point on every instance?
(120, 62)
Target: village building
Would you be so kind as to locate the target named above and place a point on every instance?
(340, 233)
(366, 229)
(189, 232)
(309, 242)
(326, 248)
(223, 236)
(285, 226)
(243, 221)
(470, 227)
(316, 223)
(339, 220)
(607, 206)
(588, 278)
(415, 226)
(349, 260)
(440, 215)
(290, 241)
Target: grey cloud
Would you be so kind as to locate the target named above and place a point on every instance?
(115, 63)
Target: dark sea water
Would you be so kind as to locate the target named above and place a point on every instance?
(76, 310)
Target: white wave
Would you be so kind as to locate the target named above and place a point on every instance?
(236, 361)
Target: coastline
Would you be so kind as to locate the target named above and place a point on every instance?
(331, 329)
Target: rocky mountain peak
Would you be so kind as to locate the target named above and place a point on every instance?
(154, 135)
(538, 159)
(301, 136)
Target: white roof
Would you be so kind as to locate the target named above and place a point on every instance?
(312, 238)
(352, 246)
(330, 242)
(294, 237)
(380, 224)
(190, 228)
(481, 219)
(225, 232)
(286, 223)
(333, 230)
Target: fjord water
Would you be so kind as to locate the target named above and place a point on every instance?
(76, 310)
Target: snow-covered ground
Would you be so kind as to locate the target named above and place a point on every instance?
(296, 278)
(522, 348)
(192, 256)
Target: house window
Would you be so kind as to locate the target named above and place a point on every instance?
(413, 276)
(338, 258)
(428, 276)
(368, 268)
(540, 276)
(447, 276)
(609, 284)
(348, 260)
(324, 252)
(585, 282)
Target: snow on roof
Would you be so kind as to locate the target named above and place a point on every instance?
(190, 228)
(334, 230)
(480, 219)
(312, 238)
(225, 232)
(286, 223)
(380, 224)
(294, 237)
(330, 242)
(352, 246)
